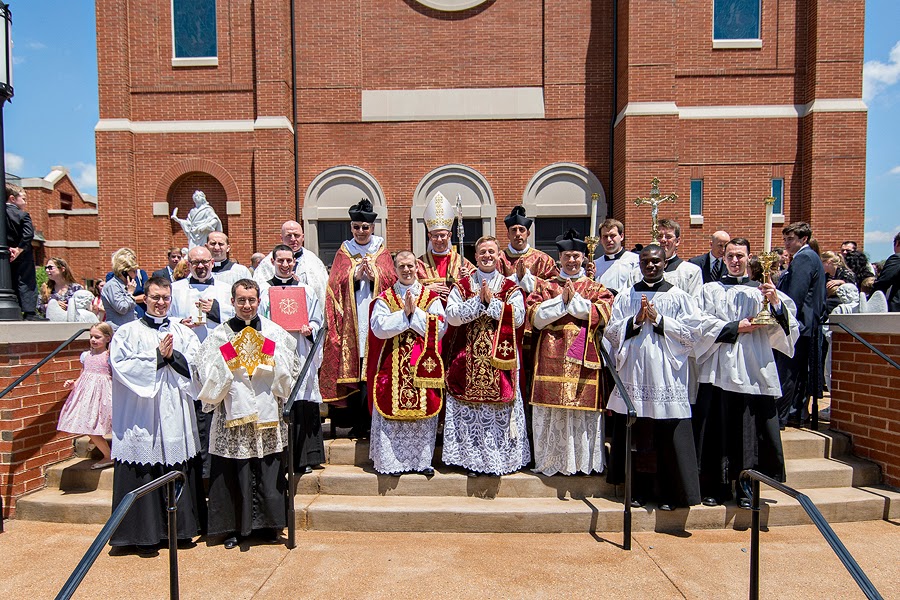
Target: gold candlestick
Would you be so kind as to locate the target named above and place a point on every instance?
(765, 316)
(591, 241)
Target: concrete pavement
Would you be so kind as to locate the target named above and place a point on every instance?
(37, 559)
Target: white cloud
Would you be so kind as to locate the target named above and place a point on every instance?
(14, 163)
(18, 60)
(85, 176)
(878, 76)
(880, 237)
(35, 45)
(895, 170)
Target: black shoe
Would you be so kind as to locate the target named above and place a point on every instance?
(638, 503)
(427, 471)
(666, 507)
(709, 501)
(230, 542)
(147, 548)
(307, 470)
(269, 534)
(472, 474)
(34, 317)
(744, 503)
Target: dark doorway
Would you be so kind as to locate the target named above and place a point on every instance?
(547, 229)
(473, 232)
(331, 235)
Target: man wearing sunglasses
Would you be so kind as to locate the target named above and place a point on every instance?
(361, 270)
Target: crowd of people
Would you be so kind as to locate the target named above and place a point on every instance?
(497, 362)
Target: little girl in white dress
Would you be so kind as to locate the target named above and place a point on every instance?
(88, 410)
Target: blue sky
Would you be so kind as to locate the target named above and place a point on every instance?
(51, 119)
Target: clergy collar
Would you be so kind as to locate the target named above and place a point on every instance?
(482, 276)
(298, 254)
(402, 289)
(375, 242)
(283, 282)
(672, 263)
(577, 275)
(660, 286)
(515, 252)
(154, 322)
(615, 256)
(221, 265)
(194, 281)
(742, 280)
(236, 324)
(436, 253)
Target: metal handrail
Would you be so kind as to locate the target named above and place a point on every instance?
(288, 415)
(43, 361)
(629, 422)
(862, 341)
(113, 523)
(750, 480)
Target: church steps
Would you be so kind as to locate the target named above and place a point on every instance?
(58, 506)
(76, 475)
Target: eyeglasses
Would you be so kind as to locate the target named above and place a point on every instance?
(159, 298)
(197, 263)
(362, 227)
(49, 268)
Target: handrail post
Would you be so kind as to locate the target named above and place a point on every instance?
(754, 542)
(292, 514)
(172, 510)
(626, 521)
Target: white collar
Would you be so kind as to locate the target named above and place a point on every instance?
(402, 289)
(514, 251)
(371, 248)
(577, 275)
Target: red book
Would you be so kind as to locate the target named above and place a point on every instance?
(288, 307)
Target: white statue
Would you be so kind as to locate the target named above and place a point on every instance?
(80, 308)
(200, 221)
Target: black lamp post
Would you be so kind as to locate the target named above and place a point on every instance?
(9, 305)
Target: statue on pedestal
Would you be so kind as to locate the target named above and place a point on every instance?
(200, 222)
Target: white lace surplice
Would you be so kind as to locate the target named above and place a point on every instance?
(400, 446)
(653, 367)
(153, 409)
(487, 438)
(567, 441)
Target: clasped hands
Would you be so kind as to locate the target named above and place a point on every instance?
(166, 346)
(364, 270)
(647, 313)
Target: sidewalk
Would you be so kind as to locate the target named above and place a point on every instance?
(37, 559)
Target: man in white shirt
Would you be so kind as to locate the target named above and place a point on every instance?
(616, 268)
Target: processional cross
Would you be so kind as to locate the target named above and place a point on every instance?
(654, 201)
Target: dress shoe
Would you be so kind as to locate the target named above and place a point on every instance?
(744, 502)
(34, 317)
(147, 548)
(230, 542)
(666, 507)
(638, 502)
(307, 470)
(427, 471)
(709, 501)
(472, 474)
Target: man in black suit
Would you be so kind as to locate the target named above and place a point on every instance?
(889, 278)
(712, 264)
(174, 257)
(19, 234)
(804, 283)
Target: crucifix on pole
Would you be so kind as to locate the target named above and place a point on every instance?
(654, 201)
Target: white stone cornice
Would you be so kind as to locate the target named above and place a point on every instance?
(204, 126)
(453, 104)
(758, 111)
(71, 244)
(73, 212)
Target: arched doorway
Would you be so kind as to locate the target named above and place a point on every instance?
(181, 194)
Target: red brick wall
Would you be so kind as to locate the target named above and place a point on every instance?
(812, 49)
(864, 401)
(29, 441)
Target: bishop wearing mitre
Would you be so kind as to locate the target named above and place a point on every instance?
(441, 265)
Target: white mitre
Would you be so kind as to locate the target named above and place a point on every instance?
(438, 213)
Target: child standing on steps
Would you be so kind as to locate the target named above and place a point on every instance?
(88, 410)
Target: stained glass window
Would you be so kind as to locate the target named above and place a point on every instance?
(194, 28)
(736, 19)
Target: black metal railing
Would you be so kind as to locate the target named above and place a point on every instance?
(629, 422)
(750, 481)
(28, 374)
(43, 361)
(864, 342)
(288, 416)
(112, 524)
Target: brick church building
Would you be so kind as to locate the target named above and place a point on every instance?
(542, 103)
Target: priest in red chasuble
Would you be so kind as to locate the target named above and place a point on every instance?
(361, 270)
(484, 428)
(569, 314)
(441, 266)
(405, 372)
(519, 258)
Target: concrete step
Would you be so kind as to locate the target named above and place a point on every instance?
(76, 474)
(801, 443)
(57, 506)
(552, 515)
(892, 500)
(349, 480)
(807, 473)
(343, 451)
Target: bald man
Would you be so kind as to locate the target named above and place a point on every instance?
(712, 264)
(309, 268)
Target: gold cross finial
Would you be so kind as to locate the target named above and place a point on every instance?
(654, 201)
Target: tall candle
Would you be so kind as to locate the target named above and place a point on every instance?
(595, 197)
(770, 205)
